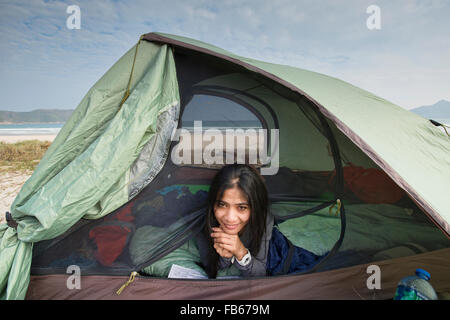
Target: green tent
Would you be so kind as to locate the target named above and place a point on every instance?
(350, 176)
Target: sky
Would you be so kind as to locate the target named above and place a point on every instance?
(400, 52)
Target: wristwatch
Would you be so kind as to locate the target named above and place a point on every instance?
(245, 259)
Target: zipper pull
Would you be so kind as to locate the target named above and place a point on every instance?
(338, 209)
(130, 280)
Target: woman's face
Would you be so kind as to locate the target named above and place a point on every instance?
(232, 211)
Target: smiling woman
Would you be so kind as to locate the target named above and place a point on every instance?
(238, 225)
(232, 211)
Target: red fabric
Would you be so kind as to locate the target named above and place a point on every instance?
(112, 239)
(110, 242)
(124, 214)
(371, 185)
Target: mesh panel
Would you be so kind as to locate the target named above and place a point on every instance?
(166, 214)
(163, 216)
(376, 232)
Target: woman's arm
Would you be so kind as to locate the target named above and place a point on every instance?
(257, 265)
(232, 246)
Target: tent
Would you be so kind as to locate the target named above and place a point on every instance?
(119, 196)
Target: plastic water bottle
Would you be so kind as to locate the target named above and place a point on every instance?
(415, 287)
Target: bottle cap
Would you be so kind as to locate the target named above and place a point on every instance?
(423, 274)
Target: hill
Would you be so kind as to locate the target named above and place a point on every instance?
(35, 116)
(439, 110)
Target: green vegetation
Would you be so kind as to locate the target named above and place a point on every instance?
(22, 156)
(35, 116)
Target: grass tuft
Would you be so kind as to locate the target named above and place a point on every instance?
(22, 156)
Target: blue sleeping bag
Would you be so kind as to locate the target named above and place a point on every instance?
(284, 257)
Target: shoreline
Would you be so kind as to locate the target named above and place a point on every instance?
(20, 138)
(10, 123)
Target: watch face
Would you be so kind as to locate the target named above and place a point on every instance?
(245, 260)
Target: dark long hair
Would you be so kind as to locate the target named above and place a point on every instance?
(251, 183)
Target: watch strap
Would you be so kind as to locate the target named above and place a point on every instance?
(245, 259)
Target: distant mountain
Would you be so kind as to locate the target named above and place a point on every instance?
(35, 116)
(439, 110)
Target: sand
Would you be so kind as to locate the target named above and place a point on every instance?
(11, 182)
(17, 138)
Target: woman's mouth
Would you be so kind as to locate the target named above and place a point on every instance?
(231, 226)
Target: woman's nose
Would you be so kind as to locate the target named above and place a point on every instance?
(231, 215)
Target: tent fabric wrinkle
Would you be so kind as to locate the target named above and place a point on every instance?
(144, 169)
(94, 181)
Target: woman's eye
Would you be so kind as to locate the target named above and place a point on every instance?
(221, 205)
(242, 208)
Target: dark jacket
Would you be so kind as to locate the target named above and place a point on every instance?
(257, 265)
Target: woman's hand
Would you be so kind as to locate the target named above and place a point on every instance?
(228, 245)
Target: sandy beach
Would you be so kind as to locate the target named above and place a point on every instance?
(17, 138)
(11, 182)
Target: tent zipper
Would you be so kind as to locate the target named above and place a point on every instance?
(338, 209)
(129, 281)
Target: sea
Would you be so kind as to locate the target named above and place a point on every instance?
(54, 128)
(31, 129)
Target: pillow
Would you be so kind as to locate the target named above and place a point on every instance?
(316, 232)
(186, 256)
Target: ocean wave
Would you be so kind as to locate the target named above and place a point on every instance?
(28, 131)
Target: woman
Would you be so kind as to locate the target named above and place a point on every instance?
(238, 224)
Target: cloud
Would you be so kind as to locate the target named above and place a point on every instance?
(330, 37)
